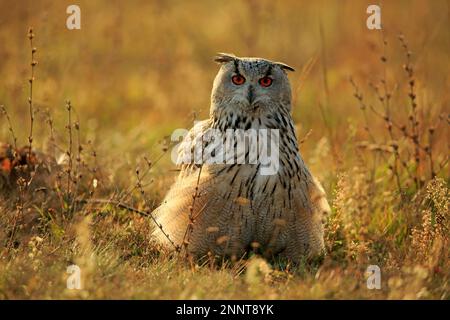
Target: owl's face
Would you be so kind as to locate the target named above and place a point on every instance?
(252, 87)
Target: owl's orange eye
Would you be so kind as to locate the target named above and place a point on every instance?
(238, 79)
(265, 82)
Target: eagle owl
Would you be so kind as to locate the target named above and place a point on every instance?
(228, 208)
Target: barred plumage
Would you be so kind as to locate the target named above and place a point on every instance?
(226, 208)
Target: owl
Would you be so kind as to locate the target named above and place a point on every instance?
(228, 208)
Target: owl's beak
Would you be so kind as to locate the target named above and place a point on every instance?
(250, 95)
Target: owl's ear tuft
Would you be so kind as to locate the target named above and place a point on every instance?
(284, 66)
(224, 57)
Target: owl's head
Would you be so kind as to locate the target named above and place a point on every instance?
(251, 86)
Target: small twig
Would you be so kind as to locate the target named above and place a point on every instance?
(147, 170)
(385, 99)
(21, 182)
(122, 205)
(77, 174)
(69, 151)
(10, 127)
(305, 137)
(115, 203)
(159, 225)
(413, 118)
(49, 121)
(190, 225)
(33, 63)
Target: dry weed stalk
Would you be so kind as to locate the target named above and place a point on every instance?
(405, 213)
(190, 226)
(4, 112)
(33, 63)
(142, 191)
(53, 146)
(70, 146)
(405, 140)
(77, 173)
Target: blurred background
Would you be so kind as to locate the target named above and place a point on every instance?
(139, 69)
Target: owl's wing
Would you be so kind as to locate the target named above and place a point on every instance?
(305, 231)
(183, 201)
(195, 189)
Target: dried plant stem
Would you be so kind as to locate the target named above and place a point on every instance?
(415, 156)
(10, 127)
(363, 108)
(302, 141)
(413, 118)
(430, 151)
(77, 175)
(158, 158)
(70, 147)
(147, 170)
(19, 208)
(118, 204)
(190, 226)
(385, 100)
(94, 170)
(442, 164)
(53, 145)
(33, 63)
(159, 225)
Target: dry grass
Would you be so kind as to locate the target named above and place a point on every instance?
(379, 144)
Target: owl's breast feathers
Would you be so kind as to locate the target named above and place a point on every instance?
(223, 208)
